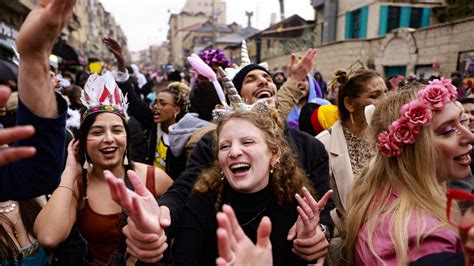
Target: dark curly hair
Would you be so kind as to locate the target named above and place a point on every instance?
(180, 93)
(287, 178)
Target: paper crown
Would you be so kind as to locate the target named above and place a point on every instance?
(245, 60)
(102, 94)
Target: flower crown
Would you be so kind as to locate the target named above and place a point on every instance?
(102, 94)
(414, 115)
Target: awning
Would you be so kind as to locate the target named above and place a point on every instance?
(69, 55)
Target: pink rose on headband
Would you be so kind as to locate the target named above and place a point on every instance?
(387, 146)
(436, 95)
(448, 85)
(403, 132)
(417, 112)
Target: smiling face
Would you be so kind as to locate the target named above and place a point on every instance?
(107, 141)
(452, 141)
(303, 85)
(256, 85)
(244, 156)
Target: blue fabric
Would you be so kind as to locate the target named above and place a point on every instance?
(41, 259)
(314, 95)
(40, 174)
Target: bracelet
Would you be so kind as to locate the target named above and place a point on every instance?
(66, 187)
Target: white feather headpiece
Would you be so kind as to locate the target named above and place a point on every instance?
(102, 94)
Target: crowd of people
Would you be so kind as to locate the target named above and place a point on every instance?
(125, 168)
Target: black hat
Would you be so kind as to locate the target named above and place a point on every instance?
(239, 77)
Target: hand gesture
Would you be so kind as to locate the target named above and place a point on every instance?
(144, 229)
(235, 248)
(298, 70)
(115, 48)
(42, 27)
(310, 242)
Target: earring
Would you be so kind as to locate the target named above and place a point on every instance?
(86, 163)
(271, 169)
(352, 119)
(125, 158)
(175, 115)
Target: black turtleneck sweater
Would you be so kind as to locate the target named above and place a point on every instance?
(196, 241)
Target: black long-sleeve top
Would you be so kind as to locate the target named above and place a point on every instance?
(310, 152)
(196, 243)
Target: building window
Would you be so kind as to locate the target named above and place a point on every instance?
(356, 23)
(392, 17)
(393, 20)
(416, 15)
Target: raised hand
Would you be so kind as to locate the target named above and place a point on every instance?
(310, 242)
(116, 49)
(146, 239)
(48, 18)
(235, 248)
(298, 70)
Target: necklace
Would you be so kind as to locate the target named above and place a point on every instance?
(8, 208)
(253, 218)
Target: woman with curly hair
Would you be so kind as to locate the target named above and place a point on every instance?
(256, 173)
(396, 209)
(170, 106)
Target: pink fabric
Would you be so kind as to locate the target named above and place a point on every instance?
(442, 240)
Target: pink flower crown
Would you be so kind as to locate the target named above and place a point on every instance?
(414, 115)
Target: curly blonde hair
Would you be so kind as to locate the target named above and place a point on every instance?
(180, 92)
(287, 178)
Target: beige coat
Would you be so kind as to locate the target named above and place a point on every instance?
(341, 180)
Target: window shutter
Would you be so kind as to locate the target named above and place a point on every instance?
(348, 25)
(364, 14)
(405, 17)
(383, 20)
(425, 19)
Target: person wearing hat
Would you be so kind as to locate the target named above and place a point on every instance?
(253, 82)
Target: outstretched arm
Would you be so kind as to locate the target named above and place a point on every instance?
(38, 106)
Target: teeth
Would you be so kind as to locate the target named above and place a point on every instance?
(109, 149)
(235, 166)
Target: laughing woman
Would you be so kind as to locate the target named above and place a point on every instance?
(256, 174)
(83, 196)
(396, 210)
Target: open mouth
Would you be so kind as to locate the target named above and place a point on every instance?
(240, 168)
(464, 159)
(108, 150)
(264, 94)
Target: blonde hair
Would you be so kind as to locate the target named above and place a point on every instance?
(287, 178)
(412, 176)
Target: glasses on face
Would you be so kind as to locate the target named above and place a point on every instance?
(465, 201)
(162, 104)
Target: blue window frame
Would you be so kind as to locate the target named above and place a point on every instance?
(356, 23)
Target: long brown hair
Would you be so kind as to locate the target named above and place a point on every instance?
(28, 210)
(287, 178)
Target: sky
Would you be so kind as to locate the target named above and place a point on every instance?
(145, 22)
